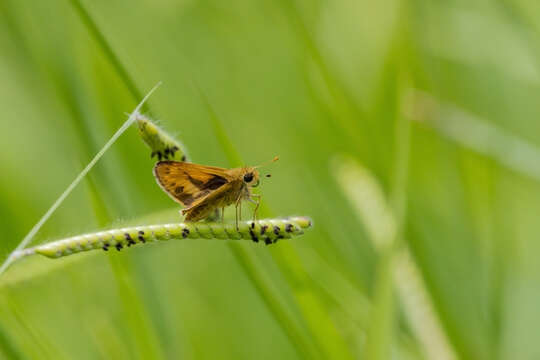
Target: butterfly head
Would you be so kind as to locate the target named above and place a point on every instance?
(250, 177)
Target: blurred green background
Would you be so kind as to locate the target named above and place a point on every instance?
(318, 82)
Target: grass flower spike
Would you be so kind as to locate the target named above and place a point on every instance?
(163, 145)
(266, 231)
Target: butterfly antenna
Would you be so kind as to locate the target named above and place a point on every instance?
(276, 158)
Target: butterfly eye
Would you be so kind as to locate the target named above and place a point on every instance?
(248, 177)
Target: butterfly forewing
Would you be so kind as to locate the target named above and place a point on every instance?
(186, 182)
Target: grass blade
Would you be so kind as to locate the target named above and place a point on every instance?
(110, 54)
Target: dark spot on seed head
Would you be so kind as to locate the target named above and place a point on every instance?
(185, 233)
(183, 158)
(276, 230)
(253, 236)
(141, 237)
(267, 241)
(106, 247)
(129, 240)
(263, 229)
(166, 152)
(253, 225)
(268, 175)
(118, 246)
(289, 228)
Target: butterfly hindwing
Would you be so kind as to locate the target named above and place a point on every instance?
(223, 196)
(187, 182)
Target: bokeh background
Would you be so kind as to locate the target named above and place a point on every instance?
(407, 130)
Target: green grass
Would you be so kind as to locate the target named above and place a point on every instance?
(315, 82)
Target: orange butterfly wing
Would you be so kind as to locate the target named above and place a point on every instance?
(186, 182)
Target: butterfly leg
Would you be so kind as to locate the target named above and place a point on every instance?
(238, 209)
(223, 214)
(257, 203)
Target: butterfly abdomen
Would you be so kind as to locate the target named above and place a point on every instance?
(203, 210)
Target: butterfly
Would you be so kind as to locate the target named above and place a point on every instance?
(204, 189)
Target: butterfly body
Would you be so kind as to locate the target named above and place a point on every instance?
(203, 189)
(219, 199)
